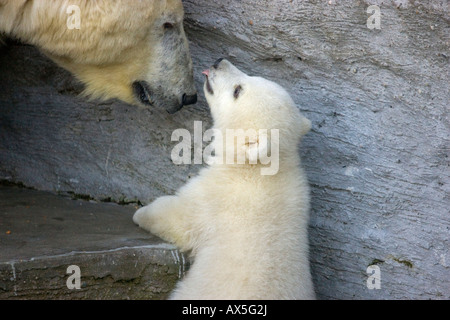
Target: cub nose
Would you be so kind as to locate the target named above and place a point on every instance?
(189, 99)
(216, 64)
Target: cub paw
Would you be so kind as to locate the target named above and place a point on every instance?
(142, 218)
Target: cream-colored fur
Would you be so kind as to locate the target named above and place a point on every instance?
(247, 232)
(119, 42)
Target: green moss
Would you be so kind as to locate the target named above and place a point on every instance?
(376, 261)
(404, 262)
(19, 184)
(79, 196)
(122, 201)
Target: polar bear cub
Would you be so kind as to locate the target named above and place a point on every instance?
(246, 231)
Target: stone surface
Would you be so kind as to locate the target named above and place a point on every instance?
(42, 234)
(377, 157)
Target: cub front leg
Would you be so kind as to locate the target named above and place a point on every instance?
(166, 218)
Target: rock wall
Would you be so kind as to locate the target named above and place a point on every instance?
(377, 157)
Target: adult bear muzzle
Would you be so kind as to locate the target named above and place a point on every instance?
(147, 97)
(185, 100)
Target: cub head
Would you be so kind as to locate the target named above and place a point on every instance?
(239, 101)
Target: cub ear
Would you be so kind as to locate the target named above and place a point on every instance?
(305, 125)
(257, 147)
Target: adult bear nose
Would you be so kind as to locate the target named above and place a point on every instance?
(189, 99)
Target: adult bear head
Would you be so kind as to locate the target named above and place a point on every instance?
(135, 51)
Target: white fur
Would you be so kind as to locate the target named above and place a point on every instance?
(119, 42)
(247, 232)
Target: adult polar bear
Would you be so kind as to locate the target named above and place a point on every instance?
(135, 51)
(247, 231)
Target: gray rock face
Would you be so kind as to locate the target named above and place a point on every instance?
(377, 157)
(43, 236)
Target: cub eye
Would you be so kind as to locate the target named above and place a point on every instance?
(237, 91)
(168, 25)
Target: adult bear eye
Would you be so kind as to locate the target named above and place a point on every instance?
(142, 92)
(237, 91)
(168, 25)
